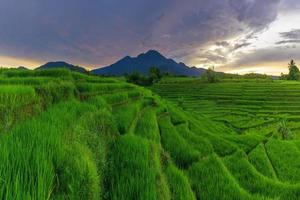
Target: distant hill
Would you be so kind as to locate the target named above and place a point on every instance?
(143, 62)
(61, 64)
(22, 68)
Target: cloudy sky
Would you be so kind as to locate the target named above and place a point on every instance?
(237, 36)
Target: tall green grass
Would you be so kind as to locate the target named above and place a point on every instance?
(179, 184)
(180, 151)
(211, 180)
(200, 143)
(51, 93)
(147, 126)
(42, 159)
(220, 145)
(125, 115)
(16, 103)
(122, 97)
(245, 142)
(284, 157)
(256, 183)
(260, 160)
(97, 130)
(28, 80)
(62, 73)
(80, 77)
(92, 89)
(117, 98)
(132, 174)
(236, 120)
(119, 141)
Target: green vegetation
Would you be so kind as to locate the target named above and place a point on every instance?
(245, 131)
(66, 135)
(284, 157)
(294, 73)
(44, 158)
(182, 153)
(131, 170)
(179, 184)
(211, 75)
(260, 160)
(284, 131)
(153, 77)
(211, 180)
(16, 103)
(147, 126)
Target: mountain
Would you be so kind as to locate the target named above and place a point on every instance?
(22, 68)
(143, 62)
(61, 64)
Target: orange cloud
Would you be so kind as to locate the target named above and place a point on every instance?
(7, 61)
(272, 68)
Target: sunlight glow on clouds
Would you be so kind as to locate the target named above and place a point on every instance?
(232, 35)
(264, 68)
(265, 41)
(17, 62)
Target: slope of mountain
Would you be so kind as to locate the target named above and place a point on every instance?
(22, 68)
(144, 62)
(61, 64)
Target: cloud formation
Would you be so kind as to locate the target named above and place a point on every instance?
(293, 34)
(288, 41)
(96, 33)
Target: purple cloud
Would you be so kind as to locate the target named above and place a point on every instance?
(98, 32)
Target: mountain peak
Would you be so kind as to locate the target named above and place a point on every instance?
(143, 62)
(153, 52)
(127, 57)
(152, 56)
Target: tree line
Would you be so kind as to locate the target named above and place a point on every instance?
(154, 75)
(211, 76)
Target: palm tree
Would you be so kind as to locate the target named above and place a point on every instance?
(293, 71)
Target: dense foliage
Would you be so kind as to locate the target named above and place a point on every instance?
(211, 75)
(139, 79)
(294, 73)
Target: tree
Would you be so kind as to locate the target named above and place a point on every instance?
(211, 75)
(133, 77)
(155, 74)
(294, 73)
(256, 76)
(139, 79)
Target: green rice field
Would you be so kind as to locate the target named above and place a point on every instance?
(66, 135)
(240, 120)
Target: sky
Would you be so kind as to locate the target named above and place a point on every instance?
(235, 36)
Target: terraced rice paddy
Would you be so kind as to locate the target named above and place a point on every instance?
(247, 146)
(65, 135)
